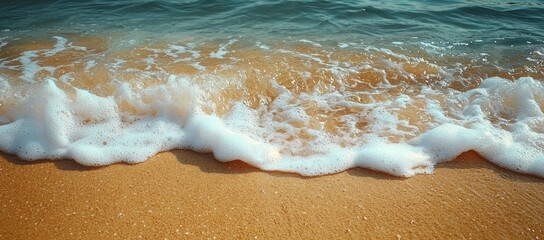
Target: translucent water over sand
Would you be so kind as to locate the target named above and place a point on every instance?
(297, 102)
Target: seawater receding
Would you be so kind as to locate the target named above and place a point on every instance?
(296, 105)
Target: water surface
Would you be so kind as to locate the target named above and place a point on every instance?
(313, 87)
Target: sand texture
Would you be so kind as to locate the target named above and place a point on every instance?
(182, 194)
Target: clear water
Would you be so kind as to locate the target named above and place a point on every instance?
(313, 87)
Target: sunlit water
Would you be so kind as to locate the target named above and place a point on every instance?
(298, 86)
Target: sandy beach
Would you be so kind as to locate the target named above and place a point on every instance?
(182, 194)
(299, 88)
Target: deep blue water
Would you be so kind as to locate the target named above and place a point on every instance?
(504, 22)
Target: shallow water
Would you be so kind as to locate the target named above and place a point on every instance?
(298, 86)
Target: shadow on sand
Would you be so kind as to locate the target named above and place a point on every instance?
(468, 160)
(62, 164)
(207, 163)
(472, 160)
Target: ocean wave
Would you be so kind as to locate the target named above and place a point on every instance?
(305, 106)
(312, 87)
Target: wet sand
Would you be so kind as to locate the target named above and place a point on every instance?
(185, 194)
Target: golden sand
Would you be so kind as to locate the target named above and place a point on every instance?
(182, 194)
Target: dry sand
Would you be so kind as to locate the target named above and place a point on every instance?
(182, 194)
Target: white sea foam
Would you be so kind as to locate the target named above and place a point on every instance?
(89, 65)
(315, 44)
(3, 42)
(174, 51)
(262, 46)
(501, 120)
(93, 130)
(30, 67)
(220, 53)
(59, 46)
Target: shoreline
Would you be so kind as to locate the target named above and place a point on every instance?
(186, 194)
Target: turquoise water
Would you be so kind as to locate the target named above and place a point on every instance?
(506, 22)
